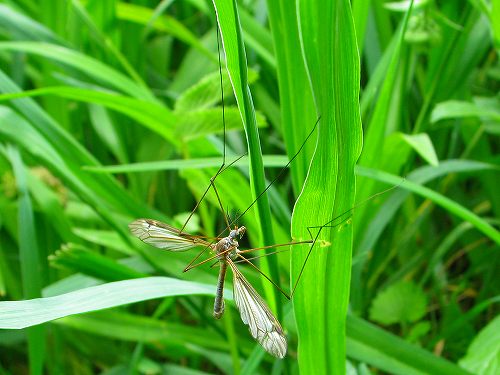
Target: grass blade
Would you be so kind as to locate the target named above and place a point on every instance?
(448, 204)
(32, 267)
(333, 64)
(236, 63)
(21, 314)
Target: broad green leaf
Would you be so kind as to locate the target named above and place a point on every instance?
(152, 115)
(419, 330)
(422, 144)
(200, 123)
(483, 355)
(207, 92)
(298, 112)
(333, 65)
(84, 63)
(402, 302)
(461, 109)
(204, 94)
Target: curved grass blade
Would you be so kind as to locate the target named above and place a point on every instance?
(152, 115)
(298, 113)
(371, 344)
(32, 268)
(322, 297)
(96, 69)
(22, 314)
(447, 203)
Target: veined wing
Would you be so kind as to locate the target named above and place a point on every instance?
(254, 312)
(164, 236)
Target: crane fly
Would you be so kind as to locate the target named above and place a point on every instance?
(255, 313)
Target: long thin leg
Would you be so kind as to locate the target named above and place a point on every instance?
(263, 255)
(212, 184)
(210, 259)
(263, 274)
(201, 199)
(245, 251)
(272, 246)
(331, 225)
(314, 240)
(222, 168)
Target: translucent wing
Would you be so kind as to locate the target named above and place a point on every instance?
(164, 236)
(254, 312)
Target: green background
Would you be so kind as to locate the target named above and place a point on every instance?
(111, 111)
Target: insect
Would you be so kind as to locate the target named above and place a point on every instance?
(255, 313)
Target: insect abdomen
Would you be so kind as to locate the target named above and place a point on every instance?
(219, 295)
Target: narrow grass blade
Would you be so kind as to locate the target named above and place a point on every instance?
(154, 116)
(86, 64)
(437, 198)
(270, 161)
(32, 266)
(373, 345)
(387, 211)
(139, 328)
(298, 113)
(236, 63)
(21, 314)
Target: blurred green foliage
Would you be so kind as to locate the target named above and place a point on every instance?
(111, 111)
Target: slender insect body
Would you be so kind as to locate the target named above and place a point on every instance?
(226, 248)
(219, 304)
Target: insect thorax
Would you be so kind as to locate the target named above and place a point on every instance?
(224, 245)
(228, 246)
